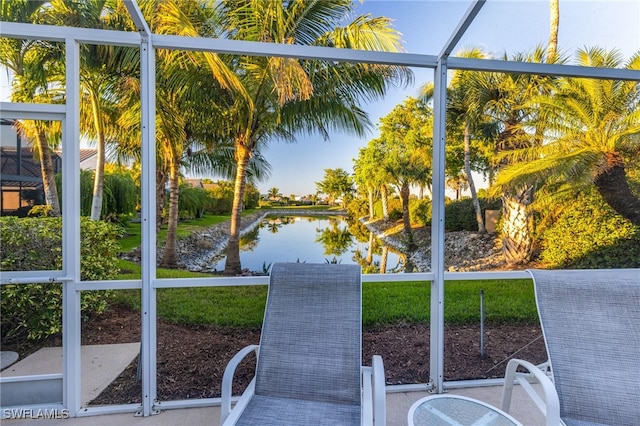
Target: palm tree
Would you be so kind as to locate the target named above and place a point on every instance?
(187, 124)
(27, 63)
(288, 96)
(593, 136)
(465, 118)
(100, 72)
(274, 193)
(405, 135)
(509, 100)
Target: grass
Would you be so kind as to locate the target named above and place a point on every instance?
(506, 301)
(133, 230)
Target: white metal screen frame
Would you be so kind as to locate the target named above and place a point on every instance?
(148, 43)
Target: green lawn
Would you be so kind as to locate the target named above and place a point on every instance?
(508, 301)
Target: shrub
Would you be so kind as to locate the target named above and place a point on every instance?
(420, 211)
(459, 215)
(357, 208)
(34, 311)
(251, 198)
(119, 195)
(589, 234)
(193, 201)
(394, 205)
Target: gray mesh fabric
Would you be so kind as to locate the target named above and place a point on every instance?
(267, 411)
(310, 347)
(591, 325)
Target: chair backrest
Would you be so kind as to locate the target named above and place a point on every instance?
(591, 325)
(310, 347)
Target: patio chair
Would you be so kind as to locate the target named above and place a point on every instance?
(309, 362)
(591, 325)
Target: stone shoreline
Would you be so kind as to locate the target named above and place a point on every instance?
(464, 251)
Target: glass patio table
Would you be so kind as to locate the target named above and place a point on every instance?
(457, 410)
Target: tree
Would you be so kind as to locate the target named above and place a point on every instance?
(187, 122)
(336, 184)
(285, 96)
(274, 193)
(30, 66)
(406, 141)
(365, 169)
(593, 136)
(509, 101)
(466, 121)
(100, 72)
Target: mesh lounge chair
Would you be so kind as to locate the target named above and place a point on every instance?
(591, 325)
(309, 369)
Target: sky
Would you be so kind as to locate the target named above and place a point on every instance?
(501, 27)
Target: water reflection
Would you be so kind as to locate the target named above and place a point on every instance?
(315, 239)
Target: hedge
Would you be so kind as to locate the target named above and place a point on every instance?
(590, 234)
(34, 311)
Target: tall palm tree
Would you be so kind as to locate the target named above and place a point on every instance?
(100, 72)
(509, 100)
(405, 135)
(465, 119)
(29, 62)
(593, 136)
(287, 96)
(366, 169)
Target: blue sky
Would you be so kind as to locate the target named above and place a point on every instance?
(502, 26)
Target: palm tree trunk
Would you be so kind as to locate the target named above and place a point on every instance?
(371, 210)
(385, 202)
(517, 229)
(98, 179)
(369, 258)
(383, 259)
(614, 189)
(161, 195)
(169, 257)
(554, 24)
(48, 174)
(472, 185)
(406, 220)
(232, 265)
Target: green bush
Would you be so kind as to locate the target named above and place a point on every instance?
(119, 196)
(589, 234)
(192, 202)
(34, 311)
(394, 205)
(357, 208)
(459, 215)
(251, 198)
(420, 211)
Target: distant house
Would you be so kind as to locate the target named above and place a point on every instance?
(195, 183)
(20, 176)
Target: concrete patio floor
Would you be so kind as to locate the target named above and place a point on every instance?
(398, 405)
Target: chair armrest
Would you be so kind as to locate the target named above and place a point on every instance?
(374, 394)
(550, 406)
(227, 380)
(379, 391)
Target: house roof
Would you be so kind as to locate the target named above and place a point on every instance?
(19, 166)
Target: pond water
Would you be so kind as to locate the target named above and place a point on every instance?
(319, 239)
